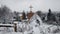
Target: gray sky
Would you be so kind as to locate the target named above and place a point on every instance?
(43, 5)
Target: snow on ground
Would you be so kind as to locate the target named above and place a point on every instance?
(10, 33)
(31, 28)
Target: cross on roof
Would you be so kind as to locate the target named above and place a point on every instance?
(30, 8)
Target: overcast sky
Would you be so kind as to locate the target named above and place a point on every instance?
(43, 5)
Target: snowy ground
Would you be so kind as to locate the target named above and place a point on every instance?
(31, 28)
(42, 29)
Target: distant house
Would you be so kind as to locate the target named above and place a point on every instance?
(35, 17)
(29, 15)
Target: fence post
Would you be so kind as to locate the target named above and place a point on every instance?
(15, 27)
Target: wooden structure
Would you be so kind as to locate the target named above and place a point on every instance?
(9, 25)
(29, 15)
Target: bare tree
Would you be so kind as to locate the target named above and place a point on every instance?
(4, 13)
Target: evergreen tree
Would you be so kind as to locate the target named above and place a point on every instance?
(49, 15)
(24, 15)
(4, 13)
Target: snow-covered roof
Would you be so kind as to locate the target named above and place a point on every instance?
(34, 17)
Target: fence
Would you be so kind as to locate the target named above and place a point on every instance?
(10, 25)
